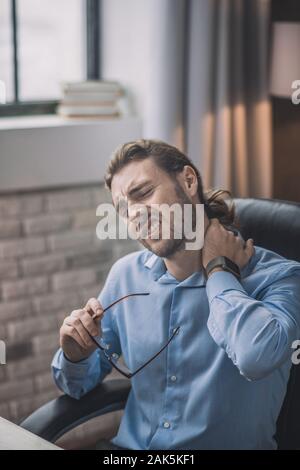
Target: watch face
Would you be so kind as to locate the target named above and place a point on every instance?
(232, 267)
(224, 263)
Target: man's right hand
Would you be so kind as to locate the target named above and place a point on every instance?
(76, 329)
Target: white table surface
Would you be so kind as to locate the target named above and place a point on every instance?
(13, 437)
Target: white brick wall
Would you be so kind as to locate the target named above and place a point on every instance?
(21, 247)
(24, 287)
(8, 269)
(50, 264)
(10, 228)
(46, 224)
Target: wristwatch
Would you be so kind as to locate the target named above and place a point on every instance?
(224, 263)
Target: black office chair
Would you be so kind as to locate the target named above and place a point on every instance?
(272, 224)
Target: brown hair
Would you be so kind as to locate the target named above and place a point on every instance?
(172, 161)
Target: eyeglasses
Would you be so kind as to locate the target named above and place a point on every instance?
(113, 358)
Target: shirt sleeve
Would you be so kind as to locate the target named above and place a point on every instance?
(256, 334)
(78, 378)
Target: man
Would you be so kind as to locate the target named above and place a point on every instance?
(221, 380)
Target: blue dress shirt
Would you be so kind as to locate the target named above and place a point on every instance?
(221, 381)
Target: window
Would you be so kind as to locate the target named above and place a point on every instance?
(43, 43)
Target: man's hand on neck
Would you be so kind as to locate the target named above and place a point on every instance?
(186, 262)
(221, 242)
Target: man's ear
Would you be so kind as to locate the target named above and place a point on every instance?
(190, 180)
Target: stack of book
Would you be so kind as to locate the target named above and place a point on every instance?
(91, 98)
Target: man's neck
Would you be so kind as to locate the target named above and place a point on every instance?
(184, 263)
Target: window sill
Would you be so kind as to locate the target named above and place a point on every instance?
(49, 151)
(50, 120)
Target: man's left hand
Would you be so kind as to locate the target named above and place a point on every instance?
(221, 242)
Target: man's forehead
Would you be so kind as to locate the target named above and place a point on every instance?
(134, 175)
(124, 191)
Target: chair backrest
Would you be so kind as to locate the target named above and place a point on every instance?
(275, 225)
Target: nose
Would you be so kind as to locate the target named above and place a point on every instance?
(137, 211)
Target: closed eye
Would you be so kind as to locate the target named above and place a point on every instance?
(144, 194)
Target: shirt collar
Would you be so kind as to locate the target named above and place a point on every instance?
(159, 272)
(156, 265)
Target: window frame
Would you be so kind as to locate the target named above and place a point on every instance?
(93, 63)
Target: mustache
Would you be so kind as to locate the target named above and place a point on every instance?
(157, 223)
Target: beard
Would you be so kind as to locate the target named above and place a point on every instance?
(166, 248)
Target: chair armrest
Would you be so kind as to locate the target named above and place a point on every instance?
(64, 413)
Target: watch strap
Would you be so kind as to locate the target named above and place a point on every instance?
(225, 263)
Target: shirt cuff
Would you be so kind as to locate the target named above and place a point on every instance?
(220, 282)
(74, 369)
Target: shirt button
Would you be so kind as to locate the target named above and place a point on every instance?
(166, 425)
(115, 356)
(173, 378)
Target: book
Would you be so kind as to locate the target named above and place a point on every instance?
(90, 97)
(91, 86)
(90, 110)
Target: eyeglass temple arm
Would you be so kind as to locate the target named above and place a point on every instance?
(152, 358)
(125, 297)
(155, 355)
(129, 375)
(111, 305)
(119, 300)
(109, 358)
